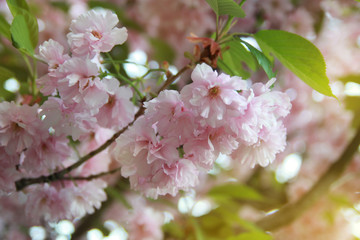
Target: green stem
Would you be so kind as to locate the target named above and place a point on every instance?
(292, 211)
(128, 81)
(119, 75)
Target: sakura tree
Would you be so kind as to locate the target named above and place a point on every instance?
(212, 119)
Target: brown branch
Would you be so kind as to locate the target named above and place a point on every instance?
(24, 182)
(173, 78)
(291, 211)
(91, 177)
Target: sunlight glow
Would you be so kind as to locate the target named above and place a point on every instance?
(136, 70)
(65, 227)
(201, 208)
(352, 89)
(289, 168)
(37, 233)
(12, 85)
(94, 234)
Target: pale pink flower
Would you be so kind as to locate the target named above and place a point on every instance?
(69, 120)
(47, 154)
(118, 111)
(95, 32)
(214, 97)
(260, 130)
(145, 224)
(19, 127)
(82, 84)
(47, 84)
(45, 202)
(52, 52)
(152, 164)
(85, 197)
(270, 142)
(204, 148)
(141, 221)
(8, 172)
(170, 114)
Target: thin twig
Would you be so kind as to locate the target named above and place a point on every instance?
(24, 182)
(173, 78)
(290, 212)
(91, 177)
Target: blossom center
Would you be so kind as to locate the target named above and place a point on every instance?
(96, 34)
(214, 91)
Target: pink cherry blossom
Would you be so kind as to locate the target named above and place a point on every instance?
(53, 53)
(172, 117)
(260, 128)
(69, 120)
(45, 202)
(19, 127)
(153, 164)
(145, 224)
(213, 97)
(47, 154)
(95, 32)
(270, 142)
(85, 197)
(81, 83)
(118, 111)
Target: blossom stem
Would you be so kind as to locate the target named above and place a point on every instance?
(291, 211)
(173, 78)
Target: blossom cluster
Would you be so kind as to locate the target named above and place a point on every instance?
(80, 106)
(182, 134)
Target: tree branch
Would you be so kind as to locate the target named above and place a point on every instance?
(291, 211)
(91, 177)
(24, 182)
(173, 78)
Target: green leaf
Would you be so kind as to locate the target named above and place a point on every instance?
(226, 7)
(235, 190)
(31, 24)
(20, 35)
(20, 7)
(263, 61)
(297, 54)
(233, 59)
(162, 50)
(4, 27)
(5, 74)
(14, 4)
(251, 236)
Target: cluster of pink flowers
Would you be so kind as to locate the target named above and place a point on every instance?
(183, 133)
(34, 140)
(179, 136)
